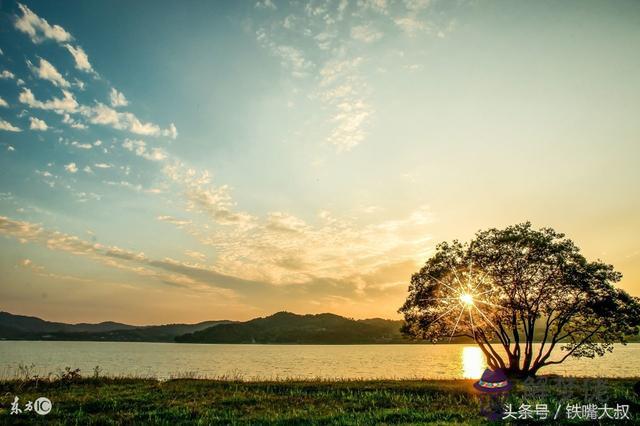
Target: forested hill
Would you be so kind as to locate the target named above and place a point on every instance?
(286, 327)
(20, 327)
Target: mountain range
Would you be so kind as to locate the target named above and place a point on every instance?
(282, 327)
(286, 327)
(19, 327)
(279, 328)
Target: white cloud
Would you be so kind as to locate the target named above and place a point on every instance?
(417, 4)
(410, 25)
(66, 104)
(365, 33)
(117, 98)
(340, 83)
(350, 118)
(81, 145)
(38, 29)
(5, 125)
(265, 4)
(124, 184)
(48, 72)
(138, 146)
(290, 57)
(44, 173)
(105, 115)
(81, 58)
(294, 59)
(7, 75)
(205, 198)
(141, 150)
(87, 169)
(324, 40)
(174, 220)
(71, 167)
(3, 103)
(342, 89)
(171, 132)
(37, 124)
(284, 222)
(380, 6)
(165, 270)
(67, 119)
(284, 249)
(196, 255)
(288, 22)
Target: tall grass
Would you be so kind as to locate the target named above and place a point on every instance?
(185, 398)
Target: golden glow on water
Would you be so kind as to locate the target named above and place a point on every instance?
(472, 362)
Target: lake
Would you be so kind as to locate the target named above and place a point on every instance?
(165, 360)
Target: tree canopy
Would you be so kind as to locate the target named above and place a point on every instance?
(509, 288)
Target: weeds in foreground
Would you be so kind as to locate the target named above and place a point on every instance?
(100, 399)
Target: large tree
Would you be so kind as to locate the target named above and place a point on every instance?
(509, 288)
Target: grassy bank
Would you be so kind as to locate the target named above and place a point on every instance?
(194, 401)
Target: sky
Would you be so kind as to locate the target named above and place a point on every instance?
(166, 161)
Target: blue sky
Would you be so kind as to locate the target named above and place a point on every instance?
(169, 161)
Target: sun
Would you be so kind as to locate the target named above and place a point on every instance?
(464, 294)
(466, 299)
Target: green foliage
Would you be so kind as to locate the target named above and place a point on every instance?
(536, 286)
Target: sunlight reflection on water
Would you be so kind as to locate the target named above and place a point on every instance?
(472, 362)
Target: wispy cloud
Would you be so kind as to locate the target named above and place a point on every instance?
(67, 103)
(37, 124)
(38, 29)
(48, 72)
(7, 75)
(410, 24)
(105, 115)
(196, 255)
(67, 119)
(117, 98)
(203, 197)
(71, 167)
(80, 57)
(168, 271)
(42, 271)
(5, 125)
(265, 4)
(81, 145)
(174, 220)
(365, 33)
(141, 150)
(339, 84)
(282, 248)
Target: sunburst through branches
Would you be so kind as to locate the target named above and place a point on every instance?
(464, 302)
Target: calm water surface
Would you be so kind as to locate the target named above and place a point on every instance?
(164, 360)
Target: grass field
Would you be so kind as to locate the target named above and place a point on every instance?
(83, 401)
